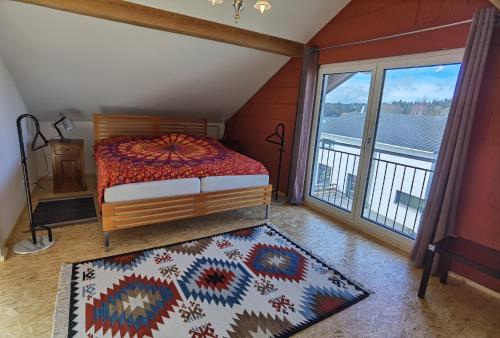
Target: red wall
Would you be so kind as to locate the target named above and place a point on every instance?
(275, 102)
(365, 19)
(479, 216)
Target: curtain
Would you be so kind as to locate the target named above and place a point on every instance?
(439, 216)
(305, 109)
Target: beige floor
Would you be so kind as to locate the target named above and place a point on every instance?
(28, 284)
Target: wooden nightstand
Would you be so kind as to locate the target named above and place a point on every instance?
(68, 166)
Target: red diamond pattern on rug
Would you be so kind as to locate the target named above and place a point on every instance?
(134, 306)
(218, 281)
(252, 282)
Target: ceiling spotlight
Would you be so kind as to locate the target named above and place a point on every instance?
(262, 5)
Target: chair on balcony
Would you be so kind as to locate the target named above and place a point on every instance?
(326, 189)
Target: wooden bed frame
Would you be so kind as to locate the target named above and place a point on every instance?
(129, 214)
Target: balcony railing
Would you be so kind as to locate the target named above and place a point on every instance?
(396, 192)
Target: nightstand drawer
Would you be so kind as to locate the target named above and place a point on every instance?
(61, 149)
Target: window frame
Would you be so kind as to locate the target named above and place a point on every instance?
(377, 68)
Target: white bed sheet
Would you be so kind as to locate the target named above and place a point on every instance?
(220, 183)
(154, 189)
(181, 186)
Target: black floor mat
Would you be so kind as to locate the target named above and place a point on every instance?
(65, 211)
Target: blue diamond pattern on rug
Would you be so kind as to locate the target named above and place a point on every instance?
(215, 280)
(277, 262)
(126, 262)
(253, 282)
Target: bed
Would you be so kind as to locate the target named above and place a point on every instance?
(151, 170)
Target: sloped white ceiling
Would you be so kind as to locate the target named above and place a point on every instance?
(64, 62)
(297, 20)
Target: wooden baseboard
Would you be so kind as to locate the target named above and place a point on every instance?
(473, 284)
(3, 254)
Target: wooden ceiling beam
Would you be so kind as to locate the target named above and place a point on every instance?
(154, 18)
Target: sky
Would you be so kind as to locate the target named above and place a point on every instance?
(406, 84)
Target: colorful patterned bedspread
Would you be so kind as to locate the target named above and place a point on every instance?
(132, 159)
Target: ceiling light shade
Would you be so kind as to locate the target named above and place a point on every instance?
(262, 5)
(238, 5)
(216, 2)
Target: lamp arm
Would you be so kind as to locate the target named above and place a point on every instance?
(55, 125)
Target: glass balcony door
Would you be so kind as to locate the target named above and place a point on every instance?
(411, 118)
(376, 136)
(343, 103)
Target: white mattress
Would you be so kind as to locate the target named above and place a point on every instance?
(219, 183)
(182, 186)
(155, 189)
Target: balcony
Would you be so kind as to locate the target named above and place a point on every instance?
(398, 184)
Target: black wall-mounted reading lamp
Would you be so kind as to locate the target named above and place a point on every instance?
(66, 123)
(37, 243)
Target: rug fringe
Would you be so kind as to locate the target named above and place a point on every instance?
(61, 310)
(318, 256)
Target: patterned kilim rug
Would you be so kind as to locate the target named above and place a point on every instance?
(253, 282)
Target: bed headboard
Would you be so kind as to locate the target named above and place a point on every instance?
(107, 125)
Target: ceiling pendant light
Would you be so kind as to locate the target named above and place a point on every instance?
(262, 5)
(238, 5)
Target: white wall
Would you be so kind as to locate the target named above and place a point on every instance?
(65, 62)
(84, 130)
(62, 61)
(12, 198)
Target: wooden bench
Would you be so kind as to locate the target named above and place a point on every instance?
(459, 249)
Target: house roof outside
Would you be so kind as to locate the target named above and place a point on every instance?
(422, 133)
